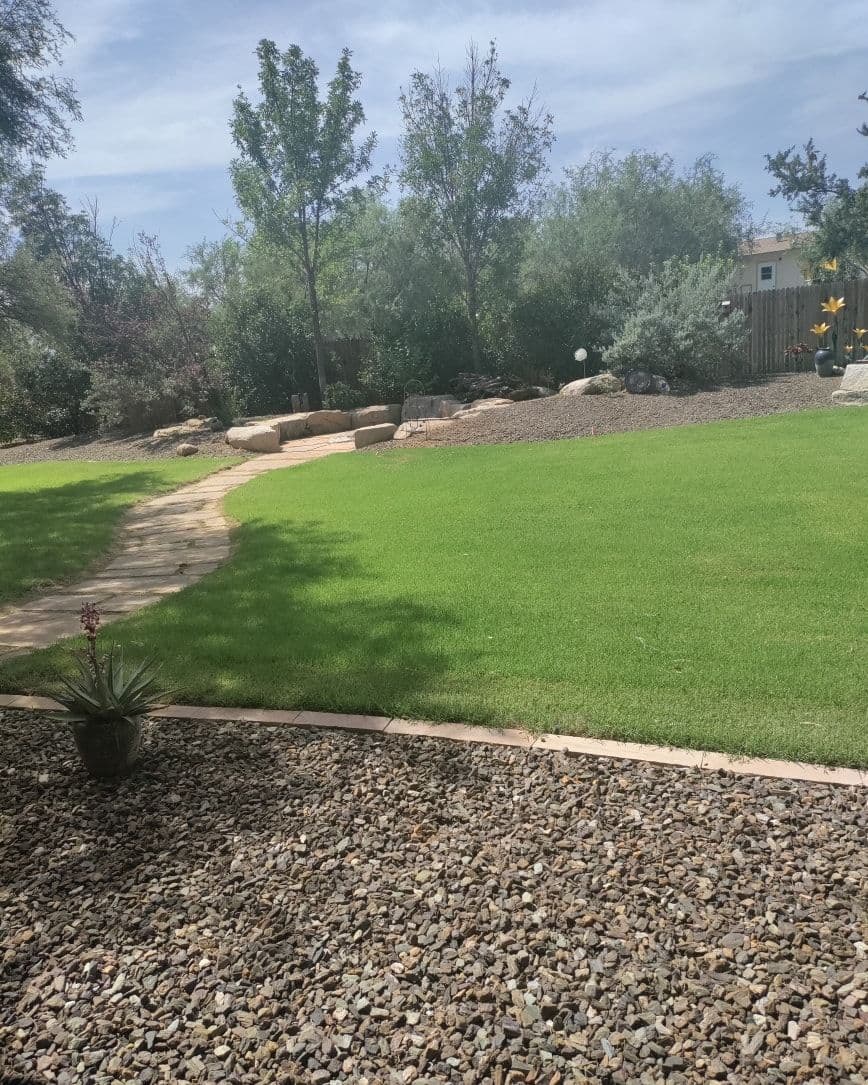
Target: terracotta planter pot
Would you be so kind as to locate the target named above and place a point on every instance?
(108, 748)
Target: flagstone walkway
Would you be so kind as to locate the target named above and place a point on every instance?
(165, 545)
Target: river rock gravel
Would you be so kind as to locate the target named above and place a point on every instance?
(585, 416)
(261, 905)
(112, 447)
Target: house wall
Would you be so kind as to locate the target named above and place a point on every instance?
(788, 271)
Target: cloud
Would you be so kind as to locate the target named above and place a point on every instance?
(598, 67)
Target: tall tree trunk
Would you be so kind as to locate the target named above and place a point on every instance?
(318, 340)
(473, 316)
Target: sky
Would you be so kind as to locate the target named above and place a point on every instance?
(156, 80)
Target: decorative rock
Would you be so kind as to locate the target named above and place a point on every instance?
(479, 406)
(854, 385)
(261, 438)
(319, 422)
(454, 976)
(292, 426)
(600, 384)
(421, 427)
(430, 407)
(374, 416)
(371, 435)
(184, 429)
(186, 449)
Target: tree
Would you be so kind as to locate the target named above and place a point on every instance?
(637, 212)
(35, 105)
(834, 209)
(295, 177)
(472, 166)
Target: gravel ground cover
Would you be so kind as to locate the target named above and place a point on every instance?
(584, 416)
(274, 905)
(140, 447)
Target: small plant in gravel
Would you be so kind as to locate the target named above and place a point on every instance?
(107, 701)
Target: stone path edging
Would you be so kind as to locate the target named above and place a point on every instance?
(165, 544)
(458, 732)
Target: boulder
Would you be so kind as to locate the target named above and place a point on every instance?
(291, 426)
(170, 433)
(480, 406)
(530, 391)
(185, 429)
(854, 385)
(186, 449)
(430, 407)
(375, 416)
(259, 438)
(371, 435)
(601, 384)
(319, 422)
(421, 427)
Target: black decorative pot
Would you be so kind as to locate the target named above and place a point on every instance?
(824, 363)
(108, 747)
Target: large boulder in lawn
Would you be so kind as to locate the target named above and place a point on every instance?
(372, 435)
(601, 384)
(854, 385)
(430, 407)
(259, 438)
(186, 449)
(319, 422)
(376, 416)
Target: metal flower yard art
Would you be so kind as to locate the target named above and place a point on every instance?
(825, 359)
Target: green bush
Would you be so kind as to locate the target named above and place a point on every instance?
(265, 350)
(389, 368)
(341, 397)
(41, 389)
(676, 326)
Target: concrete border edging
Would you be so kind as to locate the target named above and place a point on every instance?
(574, 745)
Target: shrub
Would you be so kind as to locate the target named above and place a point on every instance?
(390, 367)
(676, 327)
(266, 351)
(341, 397)
(41, 389)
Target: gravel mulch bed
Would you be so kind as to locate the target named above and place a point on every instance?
(141, 447)
(584, 416)
(270, 905)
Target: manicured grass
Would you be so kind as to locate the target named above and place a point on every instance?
(700, 586)
(56, 519)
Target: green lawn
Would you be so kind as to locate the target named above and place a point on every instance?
(701, 586)
(57, 519)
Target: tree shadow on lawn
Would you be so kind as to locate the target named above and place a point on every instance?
(51, 534)
(293, 621)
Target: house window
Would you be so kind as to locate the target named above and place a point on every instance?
(766, 277)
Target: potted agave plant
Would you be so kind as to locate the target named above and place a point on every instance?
(105, 704)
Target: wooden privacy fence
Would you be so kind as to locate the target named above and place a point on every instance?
(778, 319)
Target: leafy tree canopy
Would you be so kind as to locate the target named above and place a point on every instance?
(298, 161)
(835, 209)
(472, 166)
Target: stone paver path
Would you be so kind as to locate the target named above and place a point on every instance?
(165, 545)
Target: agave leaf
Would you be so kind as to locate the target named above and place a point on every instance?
(108, 688)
